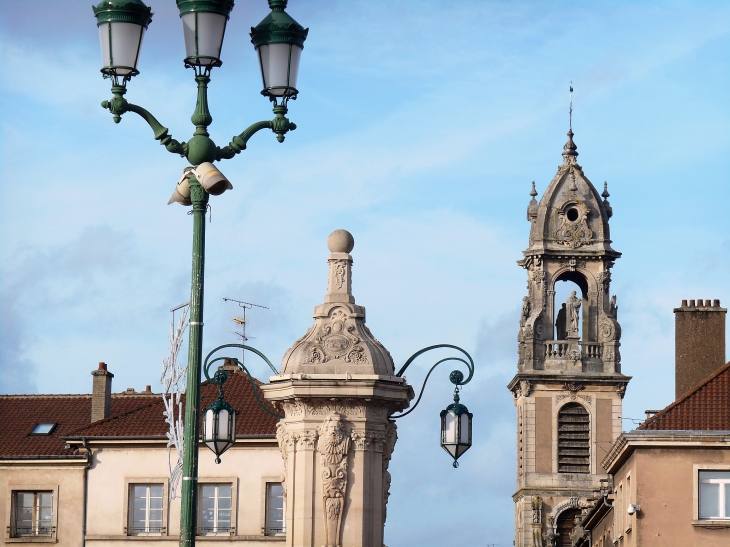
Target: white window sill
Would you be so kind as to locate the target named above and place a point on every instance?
(708, 523)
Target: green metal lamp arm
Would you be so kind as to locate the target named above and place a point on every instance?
(456, 377)
(119, 105)
(279, 125)
(207, 364)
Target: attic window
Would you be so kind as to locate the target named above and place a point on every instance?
(572, 214)
(43, 428)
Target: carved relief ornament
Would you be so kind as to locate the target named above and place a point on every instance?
(337, 339)
(573, 232)
(334, 447)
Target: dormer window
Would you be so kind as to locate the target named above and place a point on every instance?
(572, 214)
(44, 428)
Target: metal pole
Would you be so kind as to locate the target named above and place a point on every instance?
(189, 503)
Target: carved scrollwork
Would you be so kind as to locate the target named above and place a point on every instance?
(340, 271)
(572, 230)
(336, 340)
(334, 447)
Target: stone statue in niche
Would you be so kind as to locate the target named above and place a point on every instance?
(560, 324)
(573, 312)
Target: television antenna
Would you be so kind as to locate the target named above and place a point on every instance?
(242, 320)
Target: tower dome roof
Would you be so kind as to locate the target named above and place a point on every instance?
(338, 342)
(570, 215)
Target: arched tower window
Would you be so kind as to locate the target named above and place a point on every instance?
(574, 439)
(565, 526)
(570, 284)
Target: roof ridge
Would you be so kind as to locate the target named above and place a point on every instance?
(724, 368)
(111, 418)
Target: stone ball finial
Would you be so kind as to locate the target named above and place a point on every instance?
(340, 241)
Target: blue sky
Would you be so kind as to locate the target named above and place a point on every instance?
(420, 127)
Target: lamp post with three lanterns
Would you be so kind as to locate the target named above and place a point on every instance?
(279, 41)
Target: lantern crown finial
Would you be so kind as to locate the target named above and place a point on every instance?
(123, 11)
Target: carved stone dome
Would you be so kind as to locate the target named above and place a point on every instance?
(570, 216)
(338, 342)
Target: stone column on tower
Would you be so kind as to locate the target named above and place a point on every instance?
(337, 388)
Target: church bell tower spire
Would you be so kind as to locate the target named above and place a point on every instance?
(568, 389)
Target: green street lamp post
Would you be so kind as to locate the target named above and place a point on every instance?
(278, 40)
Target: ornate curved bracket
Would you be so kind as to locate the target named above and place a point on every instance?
(280, 125)
(456, 377)
(119, 105)
(219, 380)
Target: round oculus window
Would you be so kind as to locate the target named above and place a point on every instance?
(572, 214)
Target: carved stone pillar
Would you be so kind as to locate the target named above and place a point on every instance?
(337, 389)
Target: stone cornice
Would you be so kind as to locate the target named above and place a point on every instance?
(628, 442)
(550, 377)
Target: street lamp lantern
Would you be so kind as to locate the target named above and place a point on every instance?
(279, 41)
(121, 26)
(219, 421)
(456, 424)
(204, 25)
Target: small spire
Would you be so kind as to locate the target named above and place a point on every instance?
(570, 150)
(606, 203)
(339, 286)
(605, 193)
(533, 192)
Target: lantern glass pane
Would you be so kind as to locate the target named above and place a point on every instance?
(126, 42)
(188, 22)
(208, 425)
(104, 38)
(277, 71)
(449, 428)
(210, 28)
(464, 429)
(451, 449)
(223, 430)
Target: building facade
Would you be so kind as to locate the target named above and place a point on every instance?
(569, 387)
(670, 478)
(95, 470)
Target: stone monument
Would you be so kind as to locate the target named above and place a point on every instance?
(337, 389)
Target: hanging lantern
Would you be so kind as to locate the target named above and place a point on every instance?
(219, 421)
(204, 25)
(121, 28)
(456, 428)
(279, 41)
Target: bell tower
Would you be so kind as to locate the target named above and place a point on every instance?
(569, 387)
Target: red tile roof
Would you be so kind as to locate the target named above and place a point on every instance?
(19, 414)
(148, 420)
(704, 408)
(131, 416)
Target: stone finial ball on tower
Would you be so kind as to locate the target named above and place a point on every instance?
(340, 241)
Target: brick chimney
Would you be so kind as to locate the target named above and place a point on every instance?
(699, 336)
(101, 394)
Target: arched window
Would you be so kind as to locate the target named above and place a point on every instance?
(574, 439)
(564, 527)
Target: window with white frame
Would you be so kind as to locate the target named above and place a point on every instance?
(714, 495)
(274, 508)
(215, 509)
(145, 509)
(32, 514)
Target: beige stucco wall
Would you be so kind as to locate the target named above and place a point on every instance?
(662, 481)
(247, 465)
(667, 497)
(64, 478)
